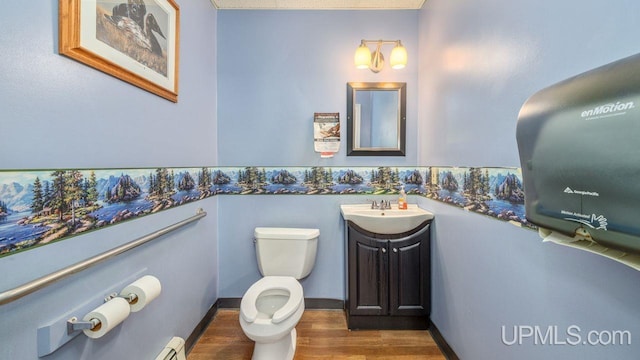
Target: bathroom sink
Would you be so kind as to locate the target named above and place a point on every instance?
(388, 221)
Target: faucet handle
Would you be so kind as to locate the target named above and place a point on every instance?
(385, 204)
(374, 204)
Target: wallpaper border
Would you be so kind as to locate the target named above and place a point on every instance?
(38, 207)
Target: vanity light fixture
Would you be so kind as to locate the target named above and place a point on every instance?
(374, 60)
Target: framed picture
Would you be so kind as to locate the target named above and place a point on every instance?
(134, 40)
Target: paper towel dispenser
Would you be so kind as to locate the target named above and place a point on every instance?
(579, 144)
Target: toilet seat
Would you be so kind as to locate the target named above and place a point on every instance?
(248, 309)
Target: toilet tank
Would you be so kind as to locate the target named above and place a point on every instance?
(286, 251)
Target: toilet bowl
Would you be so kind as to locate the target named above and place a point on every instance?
(269, 312)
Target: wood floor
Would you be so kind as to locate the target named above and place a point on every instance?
(322, 334)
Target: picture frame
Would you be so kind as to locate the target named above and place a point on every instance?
(136, 41)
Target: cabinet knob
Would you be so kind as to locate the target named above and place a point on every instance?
(384, 250)
(395, 250)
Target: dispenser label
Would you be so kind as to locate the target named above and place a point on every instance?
(607, 110)
(598, 222)
(568, 190)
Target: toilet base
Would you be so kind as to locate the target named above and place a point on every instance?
(283, 349)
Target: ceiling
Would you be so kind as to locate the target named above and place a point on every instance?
(319, 4)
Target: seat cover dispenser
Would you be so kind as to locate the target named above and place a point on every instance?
(579, 147)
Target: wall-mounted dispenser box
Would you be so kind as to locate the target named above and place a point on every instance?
(326, 133)
(579, 144)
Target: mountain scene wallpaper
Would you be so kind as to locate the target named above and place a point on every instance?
(43, 206)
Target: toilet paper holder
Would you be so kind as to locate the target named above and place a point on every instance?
(131, 298)
(55, 333)
(73, 324)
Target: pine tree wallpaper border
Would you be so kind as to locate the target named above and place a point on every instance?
(38, 207)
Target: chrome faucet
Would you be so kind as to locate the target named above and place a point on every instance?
(384, 204)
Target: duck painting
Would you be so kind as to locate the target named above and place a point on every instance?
(144, 35)
(132, 9)
(150, 26)
(145, 40)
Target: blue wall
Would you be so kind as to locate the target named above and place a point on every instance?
(276, 68)
(479, 61)
(58, 113)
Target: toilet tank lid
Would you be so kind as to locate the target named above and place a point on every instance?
(286, 233)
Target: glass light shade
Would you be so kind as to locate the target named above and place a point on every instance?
(362, 59)
(398, 58)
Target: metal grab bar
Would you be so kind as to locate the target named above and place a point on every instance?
(37, 284)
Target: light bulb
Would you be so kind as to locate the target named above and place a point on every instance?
(398, 58)
(362, 59)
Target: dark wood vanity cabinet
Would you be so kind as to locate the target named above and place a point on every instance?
(388, 279)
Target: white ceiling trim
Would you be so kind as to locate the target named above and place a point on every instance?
(319, 4)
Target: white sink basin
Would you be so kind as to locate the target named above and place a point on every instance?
(388, 221)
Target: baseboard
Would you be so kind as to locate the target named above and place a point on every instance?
(229, 303)
(444, 347)
(309, 303)
(201, 327)
(322, 304)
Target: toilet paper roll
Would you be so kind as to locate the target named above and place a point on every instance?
(110, 314)
(146, 289)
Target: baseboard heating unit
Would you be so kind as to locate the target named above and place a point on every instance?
(174, 350)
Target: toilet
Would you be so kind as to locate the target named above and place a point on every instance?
(273, 305)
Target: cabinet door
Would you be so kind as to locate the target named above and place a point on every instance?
(368, 275)
(409, 280)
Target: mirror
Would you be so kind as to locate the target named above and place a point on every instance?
(376, 119)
